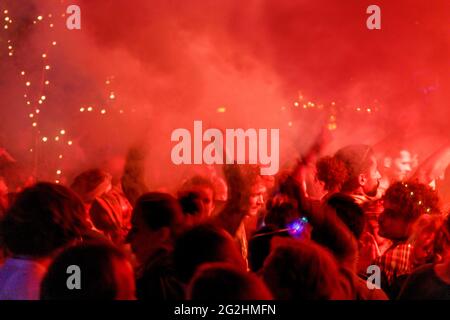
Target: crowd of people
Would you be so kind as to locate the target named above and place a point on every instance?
(235, 236)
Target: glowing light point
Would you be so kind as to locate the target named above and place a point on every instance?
(112, 96)
(6, 26)
(40, 101)
(54, 43)
(5, 12)
(6, 18)
(31, 115)
(40, 18)
(81, 109)
(22, 73)
(51, 25)
(60, 156)
(37, 111)
(63, 132)
(44, 139)
(57, 181)
(44, 55)
(28, 83)
(296, 104)
(47, 67)
(47, 82)
(332, 126)
(103, 111)
(290, 123)
(28, 102)
(43, 97)
(89, 109)
(333, 103)
(56, 138)
(221, 110)
(34, 124)
(69, 143)
(369, 110)
(58, 171)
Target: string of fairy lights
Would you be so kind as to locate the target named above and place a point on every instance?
(37, 91)
(413, 196)
(332, 109)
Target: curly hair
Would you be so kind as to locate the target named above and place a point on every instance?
(412, 199)
(332, 172)
(44, 217)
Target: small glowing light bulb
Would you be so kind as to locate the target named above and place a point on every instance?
(63, 132)
(44, 139)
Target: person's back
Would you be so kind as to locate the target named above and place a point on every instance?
(43, 219)
(432, 281)
(234, 284)
(104, 274)
(303, 270)
(404, 203)
(155, 221)
(425, 284)
(20, 278)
